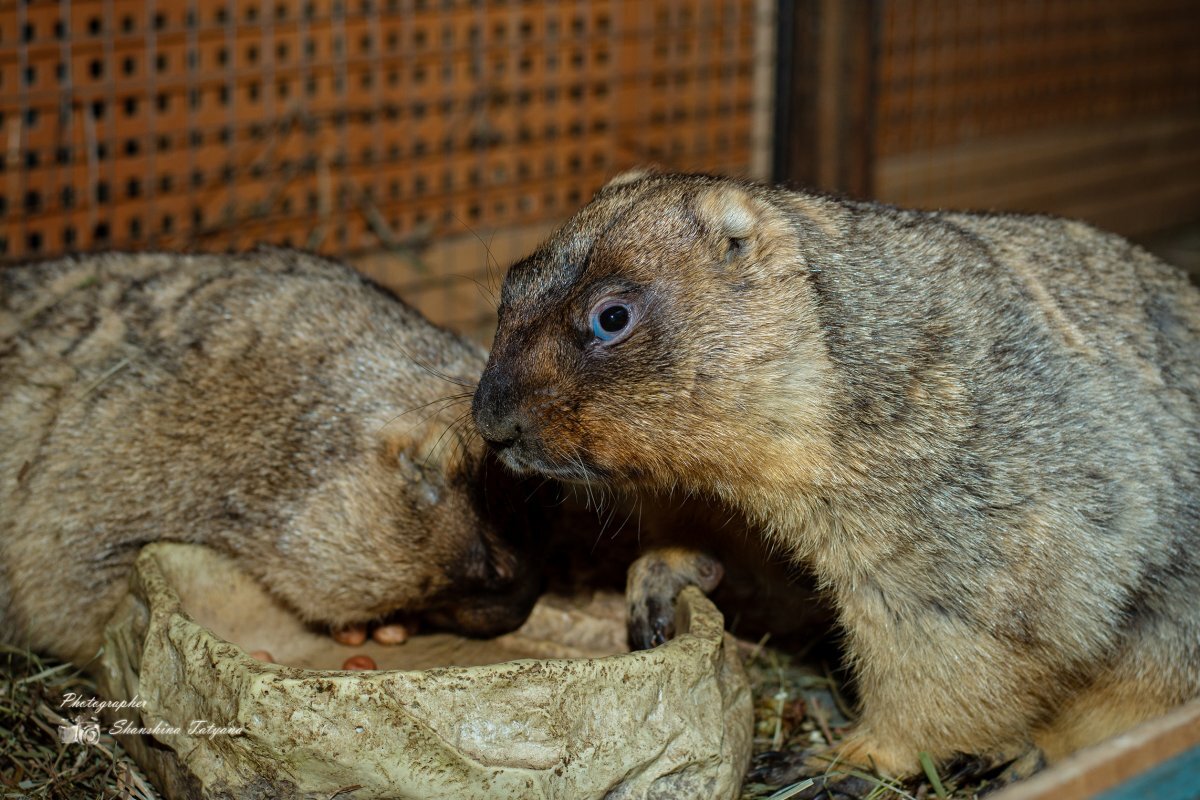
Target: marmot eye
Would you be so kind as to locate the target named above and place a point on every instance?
(613, 318)
(609, 319)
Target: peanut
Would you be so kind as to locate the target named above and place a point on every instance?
(359, 662)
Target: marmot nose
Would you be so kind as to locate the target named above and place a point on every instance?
(500, 431)
(495, 411)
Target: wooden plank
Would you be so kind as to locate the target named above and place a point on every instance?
(993, 159)
(1018, 18)
(961, 51)
(1109, 764)
(1091, 171)
(1049, 183)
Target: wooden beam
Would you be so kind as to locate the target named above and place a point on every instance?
(1130, 176)
(1110, 765)
(826, 94)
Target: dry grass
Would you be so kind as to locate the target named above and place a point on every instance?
(34, 763)
(797, 707)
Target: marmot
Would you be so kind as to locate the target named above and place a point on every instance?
(275, 406)
(980, 430)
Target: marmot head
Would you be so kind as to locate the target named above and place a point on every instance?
(666, 335)
(385, 501)
(426, 526)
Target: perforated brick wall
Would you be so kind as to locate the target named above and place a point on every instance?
(346, 126)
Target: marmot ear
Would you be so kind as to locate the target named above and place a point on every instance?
(733, 214)
(629, 176)
(409, 461)
(410, 457)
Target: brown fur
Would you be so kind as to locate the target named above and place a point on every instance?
(275, 406)
(980, 430)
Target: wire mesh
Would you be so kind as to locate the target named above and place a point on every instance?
(345, 125)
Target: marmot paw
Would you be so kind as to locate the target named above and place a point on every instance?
(654, 582)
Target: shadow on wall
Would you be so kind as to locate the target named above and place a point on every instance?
(1179, 246)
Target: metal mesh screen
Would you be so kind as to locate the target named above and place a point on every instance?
(345, 126)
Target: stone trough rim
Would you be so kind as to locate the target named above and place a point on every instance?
(702, 655)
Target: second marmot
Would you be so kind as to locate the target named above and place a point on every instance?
(980, 430)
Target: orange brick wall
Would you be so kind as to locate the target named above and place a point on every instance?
(350, 126)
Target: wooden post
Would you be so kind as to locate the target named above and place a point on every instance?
(825, 94)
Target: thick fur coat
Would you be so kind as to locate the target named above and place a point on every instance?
(275, 406)
(981, 431)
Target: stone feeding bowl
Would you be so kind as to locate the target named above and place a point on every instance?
(558, 709)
